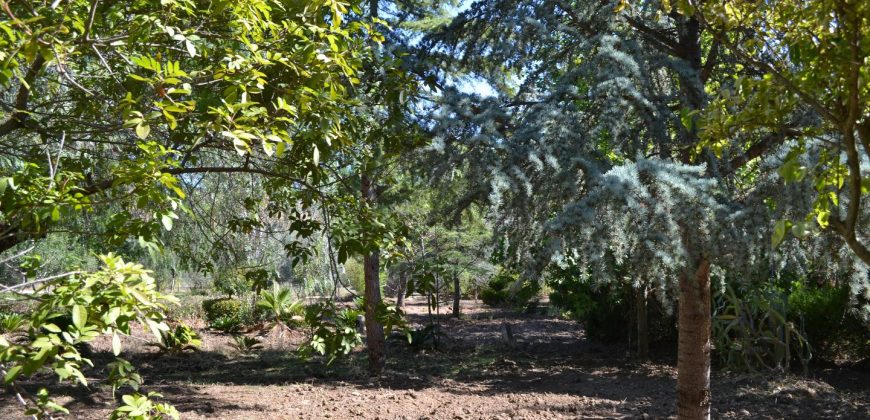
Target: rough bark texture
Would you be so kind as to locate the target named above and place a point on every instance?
(693, 351)
(457, 295)
(400, 293)
(640, 295)
(371, 267)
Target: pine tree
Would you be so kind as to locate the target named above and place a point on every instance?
(592, 149)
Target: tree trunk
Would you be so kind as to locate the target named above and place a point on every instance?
(693, 351)
(640, 297)
(403, 286)
(371, 268)
(457, 295)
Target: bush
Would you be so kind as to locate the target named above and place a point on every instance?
(224, 314)
(753, 330)
(606, 310)
(179, 339)
(497, 292)
(354, 271)
(221, 308)
(603, 309)
(834, 332)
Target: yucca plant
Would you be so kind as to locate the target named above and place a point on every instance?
(753, 333)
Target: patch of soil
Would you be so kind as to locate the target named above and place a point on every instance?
(548, 370)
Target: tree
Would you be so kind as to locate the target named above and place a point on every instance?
(120, 99)
(592, 148)
(805, 90)
(110, 105)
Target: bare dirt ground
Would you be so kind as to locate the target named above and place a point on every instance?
(550, 371)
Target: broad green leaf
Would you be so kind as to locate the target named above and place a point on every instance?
(116, 343)
(779, 230)
(12, 373)
(142, 130)
(167, 222)
(79, 316)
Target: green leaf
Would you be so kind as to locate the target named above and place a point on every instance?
(79, 316)
(142, 131)
(167, 222)
(779, 230)
(190, 48)
(116, 344)
(12, 373)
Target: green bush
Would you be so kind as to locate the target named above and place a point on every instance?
(355, 273)
(603, 309)
(179, 339)
(497, 292)
(834, 332)
(753, 330)
(221, 308)
(606, 310)
(224, 314)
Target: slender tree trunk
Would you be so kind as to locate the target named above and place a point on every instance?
(640, 298)
(371, 267)
(693, 352)
(403, 286)
(457, 295)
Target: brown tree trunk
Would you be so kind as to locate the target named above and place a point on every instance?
(371, 268)
(457, 295)
(400, 293)
(640, 297)
(693, 351)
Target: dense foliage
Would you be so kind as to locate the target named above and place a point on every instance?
(654, 167)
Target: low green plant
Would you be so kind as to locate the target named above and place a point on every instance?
(281, 306)
(224, 314)
(426, 337)
(142, 407)
(498, 291)
(333, 331)
(12, 322)
(245, 344)
(123, 374)
(179, 339)
(221, 308)
(835, 332)
(752, 331)
(105, 302)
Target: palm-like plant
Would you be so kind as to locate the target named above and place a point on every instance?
(280, 303)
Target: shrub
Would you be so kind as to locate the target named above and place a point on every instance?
(221, 308)
(334, 331)
(832, 329)
(226, 314)
(246, 345)
(231, 284)
(179, 339)
(753, 331)
(606, 310)
(498, 291)
(355, 273)
(280, 305)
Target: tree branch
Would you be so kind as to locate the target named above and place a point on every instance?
(20, 114)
